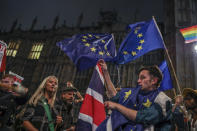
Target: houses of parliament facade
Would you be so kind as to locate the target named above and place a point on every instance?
(33, 54)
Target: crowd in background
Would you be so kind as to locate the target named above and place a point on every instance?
(143, 107)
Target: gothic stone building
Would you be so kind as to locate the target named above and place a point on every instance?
(33, 54)
(179, 14)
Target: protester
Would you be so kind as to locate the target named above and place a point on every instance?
(190, 101)
(65, 107)
(40, 114)
(140, 108)
(78, 97)
(11, 98)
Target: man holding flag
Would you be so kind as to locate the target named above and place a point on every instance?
(140, 108)
(85, 50)
(145, 107)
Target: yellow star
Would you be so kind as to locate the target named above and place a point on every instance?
(97, 37)
(135, 31)
(103, 41)
(93, 49)
(148, 103)
(85, 37)
(133, 53)
(90, 35)
(87, 44)
(125, 52)
(107, 54)
(135, 105)
(105, 47)
(101, 53)
(139, 47)
(84, 40)
(127, 94)
(139, 35)
(141, 41)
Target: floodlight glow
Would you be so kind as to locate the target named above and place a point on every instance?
(195, 48)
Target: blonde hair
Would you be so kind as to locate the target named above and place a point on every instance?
(40, 92)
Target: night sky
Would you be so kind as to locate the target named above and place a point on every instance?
(69, 10)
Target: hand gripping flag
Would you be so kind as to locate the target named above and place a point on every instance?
(166, 83)
(17, 79)
(92, 111)
(3, 47)
(189, 34)
(143, 38)
(86, 49)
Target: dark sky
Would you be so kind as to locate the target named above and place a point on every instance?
(46, 10)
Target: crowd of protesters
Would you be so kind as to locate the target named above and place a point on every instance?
(47, 111)
(44, 110)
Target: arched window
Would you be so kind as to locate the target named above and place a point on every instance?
(36, 50)
(12, 48)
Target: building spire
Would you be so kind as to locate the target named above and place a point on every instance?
(80, 19)
(14, 25)
(33, 23)
(56, 20)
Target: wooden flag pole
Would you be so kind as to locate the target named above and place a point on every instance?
(170, 62)
(173, 71)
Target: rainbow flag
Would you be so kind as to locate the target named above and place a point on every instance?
(189, 34)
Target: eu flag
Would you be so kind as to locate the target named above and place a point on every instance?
(166, 83)
(143, 38)
(86, 49)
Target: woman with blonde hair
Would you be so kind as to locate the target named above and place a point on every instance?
(40, 114)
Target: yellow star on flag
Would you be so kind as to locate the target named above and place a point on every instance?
(90, 35)
(101, 53)
(97, 37)
(87, 44)
(133, 53)
(148, 103)
(84, 40)
(107, 54)
(139, 47)
(103, 41)
(93, 49)
(141, 41)
(105, 47)
(135, 31)
(127, 94)
(125, 52)
(85, 37)
(139, 35)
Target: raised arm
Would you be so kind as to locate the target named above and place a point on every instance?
(80, 97)
(29, 126)
(109, 85)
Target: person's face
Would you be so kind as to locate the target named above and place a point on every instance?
(190, 103)
(68, 84)
(68, 97)
(146, 81)
(7, 80)
(51, 85)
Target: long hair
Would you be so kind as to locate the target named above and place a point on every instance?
(40, 92)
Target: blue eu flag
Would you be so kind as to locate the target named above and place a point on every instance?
(166, 83)
(143, 38)
(86, 49)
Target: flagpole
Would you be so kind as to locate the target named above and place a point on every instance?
(118, 83)
(170, 62)
(118, 70)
